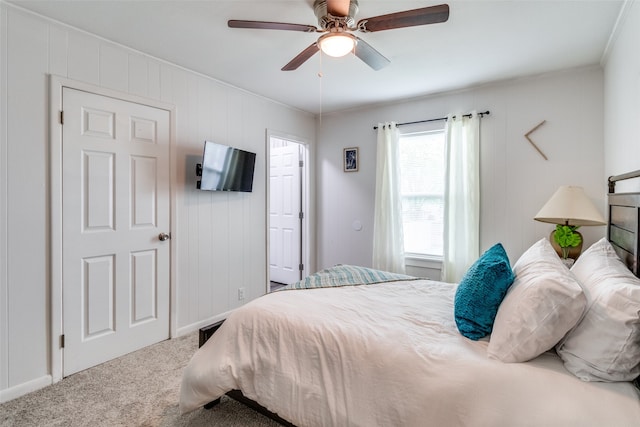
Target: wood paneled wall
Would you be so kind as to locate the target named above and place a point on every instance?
(219, 238)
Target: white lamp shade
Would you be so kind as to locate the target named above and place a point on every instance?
(337, 44)
(569, 205)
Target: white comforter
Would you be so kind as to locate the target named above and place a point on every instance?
(388, 354)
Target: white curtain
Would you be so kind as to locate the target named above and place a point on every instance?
(388, 241)
(462, 196)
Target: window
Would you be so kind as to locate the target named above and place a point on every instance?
(422, 168)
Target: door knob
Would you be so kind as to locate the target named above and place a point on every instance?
(164, 236)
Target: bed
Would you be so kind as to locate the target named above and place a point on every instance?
(358, 347)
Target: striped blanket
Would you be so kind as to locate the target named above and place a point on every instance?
(347, 275)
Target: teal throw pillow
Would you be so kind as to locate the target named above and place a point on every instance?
(481, 291)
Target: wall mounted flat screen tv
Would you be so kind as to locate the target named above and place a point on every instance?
(226, 168)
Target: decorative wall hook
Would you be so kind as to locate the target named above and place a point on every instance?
(526, 135)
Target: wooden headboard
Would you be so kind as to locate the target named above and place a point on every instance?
(623, 226)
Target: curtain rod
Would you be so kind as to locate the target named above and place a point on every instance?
(484, 113)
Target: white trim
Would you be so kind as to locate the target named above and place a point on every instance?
(615, 32)
(421, 266)
(308, 183)
(25, 388)
(57, 83)
(184, 330)
(4, 194)
(434, 263)
(173, 219)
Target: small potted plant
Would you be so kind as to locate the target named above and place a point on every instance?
(567, 238)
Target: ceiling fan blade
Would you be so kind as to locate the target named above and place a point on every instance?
(301, 58)
(369, 55)
(263, 25)
(338, 7)
(407, 18)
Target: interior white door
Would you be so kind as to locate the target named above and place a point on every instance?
(285, 208)
(115, 208)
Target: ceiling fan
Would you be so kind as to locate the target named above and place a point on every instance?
(336, 20)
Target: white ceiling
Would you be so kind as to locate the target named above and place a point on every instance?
(483, 41)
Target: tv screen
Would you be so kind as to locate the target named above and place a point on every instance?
(226, 168)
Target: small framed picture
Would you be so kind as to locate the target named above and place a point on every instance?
(350, 158)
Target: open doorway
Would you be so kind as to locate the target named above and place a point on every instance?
(287, 203)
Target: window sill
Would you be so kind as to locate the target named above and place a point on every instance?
(423, 261)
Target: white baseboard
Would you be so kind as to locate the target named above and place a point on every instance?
(25, 388)
(195, 326)
(44, 381)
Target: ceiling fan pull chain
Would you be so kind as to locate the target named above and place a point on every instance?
(320, 94)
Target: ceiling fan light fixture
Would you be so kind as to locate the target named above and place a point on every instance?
(337, 44)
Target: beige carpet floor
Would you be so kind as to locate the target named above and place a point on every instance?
(139, 389)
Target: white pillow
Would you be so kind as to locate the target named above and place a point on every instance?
(605, 346)
(543, 304)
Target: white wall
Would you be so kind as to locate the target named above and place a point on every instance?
(220, 238)
(622, 99)
(515, 180)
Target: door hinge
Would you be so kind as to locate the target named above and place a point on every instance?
(61, 117)
(301, 163)
(300, 267)
(62, 341)
(301, 215)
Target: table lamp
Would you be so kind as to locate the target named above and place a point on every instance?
(569, 208)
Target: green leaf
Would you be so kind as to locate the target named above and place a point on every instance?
(565, 236)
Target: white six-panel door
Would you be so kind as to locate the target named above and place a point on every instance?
(284, 210)
(115, 206)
